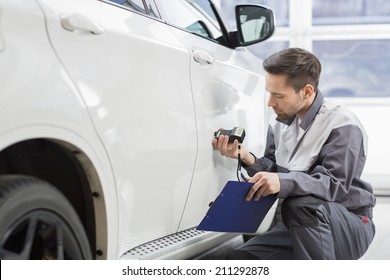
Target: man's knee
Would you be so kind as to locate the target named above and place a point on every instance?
(304, 211)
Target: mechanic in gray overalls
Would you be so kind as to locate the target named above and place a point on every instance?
(314, 157)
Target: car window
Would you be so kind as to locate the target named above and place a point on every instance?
(195, 16)
(136, 5)
(152, 9)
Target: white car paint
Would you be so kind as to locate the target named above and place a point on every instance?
(128, 92)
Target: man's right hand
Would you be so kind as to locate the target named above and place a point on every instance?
(231, 149)
(226, 149)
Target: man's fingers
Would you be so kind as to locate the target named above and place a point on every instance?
(261, 192)
(265, 183)
(224, 143)
(253, 190)
(224, 147)
(258, 188)
(215, 143)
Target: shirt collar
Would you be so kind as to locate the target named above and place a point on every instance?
(310, 114)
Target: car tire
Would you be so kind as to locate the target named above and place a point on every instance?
(38, 222)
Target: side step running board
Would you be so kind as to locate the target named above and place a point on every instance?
(181, 245)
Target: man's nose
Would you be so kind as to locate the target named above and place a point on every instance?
(270, 102)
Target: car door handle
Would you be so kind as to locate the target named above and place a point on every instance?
(78, 22)
(202, 57)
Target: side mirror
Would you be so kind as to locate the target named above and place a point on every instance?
(254, 24)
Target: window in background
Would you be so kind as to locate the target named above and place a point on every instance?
(354, 68)
(352, 40)
(335, 12)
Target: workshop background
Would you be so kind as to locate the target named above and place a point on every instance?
(352, 40)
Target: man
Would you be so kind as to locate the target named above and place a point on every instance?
(314, 157)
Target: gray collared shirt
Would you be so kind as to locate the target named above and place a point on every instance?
(322, 155)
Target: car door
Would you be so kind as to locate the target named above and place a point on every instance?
(133, 75)
(228, 91)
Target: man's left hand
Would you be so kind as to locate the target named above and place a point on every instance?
(266, 183)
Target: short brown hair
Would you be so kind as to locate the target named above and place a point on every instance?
(300, 66)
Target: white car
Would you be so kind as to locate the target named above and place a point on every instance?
(107, 112)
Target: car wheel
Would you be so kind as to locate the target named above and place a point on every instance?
(38, 222)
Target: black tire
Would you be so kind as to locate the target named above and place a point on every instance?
(38, 222)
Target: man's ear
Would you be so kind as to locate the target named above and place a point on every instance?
(308, 91)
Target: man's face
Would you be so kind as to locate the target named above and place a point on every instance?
(282, 97)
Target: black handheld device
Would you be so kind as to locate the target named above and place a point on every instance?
(235, 133)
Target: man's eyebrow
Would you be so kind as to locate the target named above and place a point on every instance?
(276, 93)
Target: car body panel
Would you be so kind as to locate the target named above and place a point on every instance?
(124, 89)
(38, 100)
(220, 101)
(145, 121)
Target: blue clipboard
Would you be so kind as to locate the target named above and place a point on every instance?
(230, 212)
